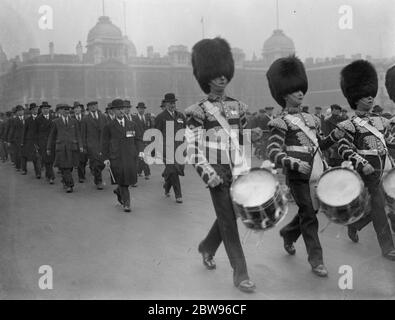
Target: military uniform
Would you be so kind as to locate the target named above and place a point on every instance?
(288, 145)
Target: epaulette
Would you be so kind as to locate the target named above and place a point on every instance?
(347, 125)
(195, 111)
(278, 123)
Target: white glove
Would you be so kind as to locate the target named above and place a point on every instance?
(107, 163)
(141, 154)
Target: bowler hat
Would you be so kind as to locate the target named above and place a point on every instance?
(62, 106)
(91, 103)
(169, 97)
(117, 104)
(141, 105)
(19, 108)
(108, 106)
(32, 106)
(126, 104)
(45, 104)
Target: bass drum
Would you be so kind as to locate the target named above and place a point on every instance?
(342, 195)
(258, 199)
(389, 191)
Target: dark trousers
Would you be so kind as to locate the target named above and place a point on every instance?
(305, 223)
(96, 167)
(377, 215)
(12, 152)
(124, 193)
(49, 172)
(36, 164)
(225, 230)
(172, 179)
(143, 167)
(3, 151)
(334, 162)
(82, 168)
(18, 156)
(67, 177)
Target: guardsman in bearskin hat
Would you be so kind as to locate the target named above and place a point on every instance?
(30, 148)
(44, 123)
(295, 146)
(121, 144)
(15, 135)
(78, 115)
(213, 68)
(91, 132)
(365, 145)
(65, 134)
(145, 122)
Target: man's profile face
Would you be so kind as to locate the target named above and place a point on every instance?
(171, 106)
(294, 99)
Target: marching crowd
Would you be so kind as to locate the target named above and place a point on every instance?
(295, 140)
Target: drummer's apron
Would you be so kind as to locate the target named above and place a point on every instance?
(318, 167)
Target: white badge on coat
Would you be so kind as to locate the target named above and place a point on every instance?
(130, 134)
(179, 120)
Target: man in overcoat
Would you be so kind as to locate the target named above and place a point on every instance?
(122, 144)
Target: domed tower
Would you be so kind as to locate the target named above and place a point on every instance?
(277, 46)
(105, 42)
(130, 48)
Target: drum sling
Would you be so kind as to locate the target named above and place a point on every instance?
(240, 164)
(318, 166)
(363, 123)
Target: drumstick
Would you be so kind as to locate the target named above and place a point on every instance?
(112, 176)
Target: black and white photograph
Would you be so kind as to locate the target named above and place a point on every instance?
(197, 150)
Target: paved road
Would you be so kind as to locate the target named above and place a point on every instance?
(97, 251)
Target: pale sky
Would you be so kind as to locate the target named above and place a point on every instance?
(312, 24)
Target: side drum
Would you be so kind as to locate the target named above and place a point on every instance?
(342, 195)
(258, 199)
(389, 190)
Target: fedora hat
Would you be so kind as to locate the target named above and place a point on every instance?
(141, 105)
(169, 97)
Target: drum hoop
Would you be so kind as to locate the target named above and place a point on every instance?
(353, 200)
(382, 183)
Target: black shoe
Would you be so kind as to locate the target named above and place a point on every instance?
(288, 246)
(126, 209)
(116, 191)
(246, 286)
(208, 259)
(24, 173)
(352, 234)
(320, 270)
(390, 255)
(99, 186)
(81, 180)
(69, 189)
(179, 200)
(146, 178)
(38, 176)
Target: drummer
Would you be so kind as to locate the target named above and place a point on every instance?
(365, 145)
(294, 145)
(213, 68)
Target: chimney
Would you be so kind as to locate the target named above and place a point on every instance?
(79, 52)
(51, 50)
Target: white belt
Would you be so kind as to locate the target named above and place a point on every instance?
(302, 149)
(372, 152)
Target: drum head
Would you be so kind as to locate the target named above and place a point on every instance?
(389, 184)
(254, 189)
(339, 187)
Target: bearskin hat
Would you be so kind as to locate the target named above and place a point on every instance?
(358, 80)
(212, 58)
(390, 82)
(285, 76)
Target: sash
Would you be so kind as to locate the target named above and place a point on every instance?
(363, 123)
(318, 165)
(240, 164)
